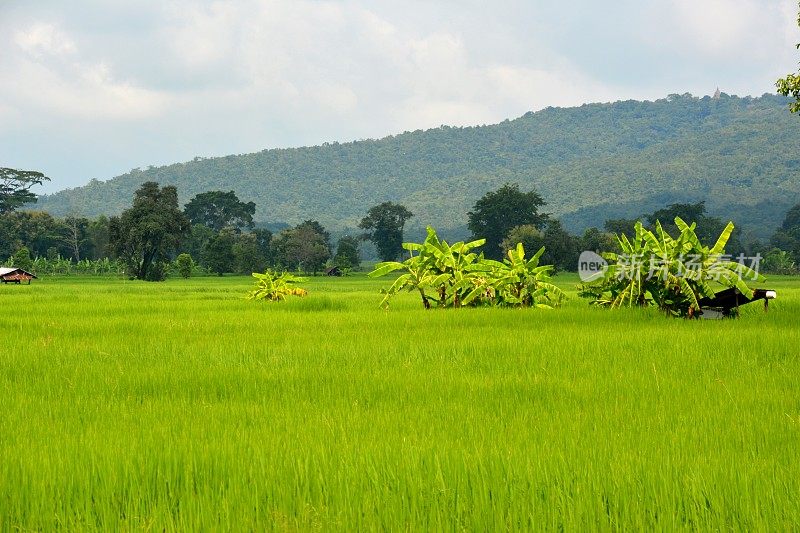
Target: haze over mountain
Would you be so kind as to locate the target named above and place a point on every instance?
(590, 163)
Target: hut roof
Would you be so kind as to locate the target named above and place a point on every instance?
(5, 271)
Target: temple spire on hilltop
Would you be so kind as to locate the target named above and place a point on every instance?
(716, 94)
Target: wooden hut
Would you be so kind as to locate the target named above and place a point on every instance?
(15, 275)
(333, 271)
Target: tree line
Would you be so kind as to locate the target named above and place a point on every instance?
(215, 233)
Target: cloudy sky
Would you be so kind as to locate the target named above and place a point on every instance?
(90, 89)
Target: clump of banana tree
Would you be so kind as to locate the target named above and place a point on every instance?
(446, 275)
(275, 287)
(523, 282)
(673, 274)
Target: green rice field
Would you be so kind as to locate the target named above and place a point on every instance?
(182, 406)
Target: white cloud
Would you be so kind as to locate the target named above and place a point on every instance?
(42, 39)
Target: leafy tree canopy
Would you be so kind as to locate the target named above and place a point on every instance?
(347, 255)
(218, 253)
(792, 219)
(384, 225)
(498, 212)
(304, 247)
(218, 209)
(149, 230)
(312, 226)
(790, 85)
(15, 188)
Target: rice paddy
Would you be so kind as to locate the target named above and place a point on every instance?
(183, 406)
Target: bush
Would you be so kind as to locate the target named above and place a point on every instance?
(22, 259)
(673, 274)
(274, 287)
(779, 261)
(184, 265)
(156, 272)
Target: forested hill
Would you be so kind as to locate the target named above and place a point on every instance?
(590, 163)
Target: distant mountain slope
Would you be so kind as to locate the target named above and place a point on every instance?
(590, 163)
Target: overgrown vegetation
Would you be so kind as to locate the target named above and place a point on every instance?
(276, 286)
(673, 274)
(446, 275)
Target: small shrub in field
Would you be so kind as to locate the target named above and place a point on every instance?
(778, 261)
(184, 264)
(275, 287)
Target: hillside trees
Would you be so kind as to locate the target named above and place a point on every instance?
(15, 188)
(498, 212)
(735, 147)
(790, 85)
(384, 225)
(149, 230)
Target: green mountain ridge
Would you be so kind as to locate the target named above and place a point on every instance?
(590, 163)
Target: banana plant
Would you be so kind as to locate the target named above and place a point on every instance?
(456, 275)
(275, 287)
(435, 269)
(673, 274)
(523, 282)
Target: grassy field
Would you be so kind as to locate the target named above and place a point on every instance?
(180, 405)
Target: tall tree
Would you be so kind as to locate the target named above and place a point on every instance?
(302, 248)
(688, 212)
(561, 248)
(76, 236)
(248, 256)
(498, 212)
(347, 253)
(15, 188)
(218, 253)
(316, 227)
(149, 230)
(708, 228)
(790, 85)
(263, 239)
(791, 221)
(97, 234)
(218, 209)
(598, 241)
(384, 225)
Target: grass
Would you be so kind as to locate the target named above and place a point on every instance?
(180, 405)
